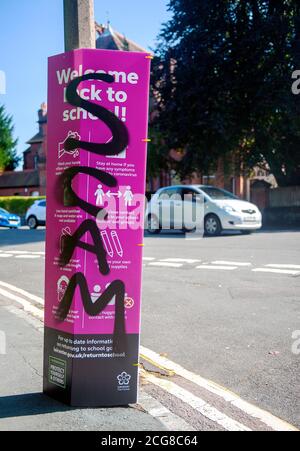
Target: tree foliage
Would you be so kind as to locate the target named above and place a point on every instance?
(222, 80)
(8, 154)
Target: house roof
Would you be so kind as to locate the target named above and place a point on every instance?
(19, 179)
(38, 138)
(110, 39)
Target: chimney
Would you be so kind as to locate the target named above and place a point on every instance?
(42, 114)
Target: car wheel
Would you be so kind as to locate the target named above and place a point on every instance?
(153, 225)
(212, 225)
(32, 222)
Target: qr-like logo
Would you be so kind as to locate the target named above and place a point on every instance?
(2, 82)
(124, 378)
(2, 343)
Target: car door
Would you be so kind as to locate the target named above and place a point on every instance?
(192, 207)
(170, 204)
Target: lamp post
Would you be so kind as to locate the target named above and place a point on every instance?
(79, 24)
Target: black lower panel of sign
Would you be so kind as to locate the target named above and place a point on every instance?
(84, 370)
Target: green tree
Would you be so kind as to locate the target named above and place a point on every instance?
(222, 78)
(8, 154)
(158, 153)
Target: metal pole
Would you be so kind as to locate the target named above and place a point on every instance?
(79, 20)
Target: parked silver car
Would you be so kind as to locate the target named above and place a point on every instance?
(174, 207)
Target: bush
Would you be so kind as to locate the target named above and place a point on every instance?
(18, 204)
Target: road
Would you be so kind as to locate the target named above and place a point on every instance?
(224, 309)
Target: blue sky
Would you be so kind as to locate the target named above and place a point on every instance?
(32, 30)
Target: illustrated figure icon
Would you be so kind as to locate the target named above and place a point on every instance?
(128, 302)
(99, 194)
(128, 196)
(96, 294)
(62, 286)
(63, 146)
(117, 243)
(107, 243)
(113, 301)
(112, 243)
(64, 233)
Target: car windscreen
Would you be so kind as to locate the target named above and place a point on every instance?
(217, 193)
(4, 212)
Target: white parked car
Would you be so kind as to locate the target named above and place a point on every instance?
(220, 210)
(36, 214)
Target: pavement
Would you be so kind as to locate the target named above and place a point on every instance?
(215, 309)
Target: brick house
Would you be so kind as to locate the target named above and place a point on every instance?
(32, 180)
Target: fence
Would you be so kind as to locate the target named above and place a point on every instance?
(285, 197)
(280, 206)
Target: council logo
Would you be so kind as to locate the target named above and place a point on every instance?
(124, 381)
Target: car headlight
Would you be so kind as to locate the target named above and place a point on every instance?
(229, 209)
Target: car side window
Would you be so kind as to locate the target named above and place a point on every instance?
(189, 195)
(42, 204)
(170, 194)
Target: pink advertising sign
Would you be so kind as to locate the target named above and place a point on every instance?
(96, 165)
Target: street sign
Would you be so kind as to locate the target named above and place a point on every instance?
(97, 138)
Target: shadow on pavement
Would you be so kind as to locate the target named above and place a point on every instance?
(29, 404)
(279, 230)
(21, 236)
(225, 234)
(178, 234)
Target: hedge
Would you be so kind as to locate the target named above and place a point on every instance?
(18, 204)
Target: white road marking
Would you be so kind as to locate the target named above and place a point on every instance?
(28, 307)
(277, 271)
(284, 266)
(148, 259)
(30, 319)
(255, 412)
(165, 264)
(197, 403)
(267, 418)
(188, 238)
(5, 255)
(30, 296)
(23, 252)
(223, 268)
(154, 408)
(28, 257)
(180, 260)
(220, 262)
(17, 252)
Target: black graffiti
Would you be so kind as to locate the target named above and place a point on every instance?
(115, 290)
(97, 248)
(120, 136)
(119, 141)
